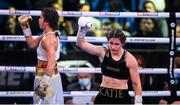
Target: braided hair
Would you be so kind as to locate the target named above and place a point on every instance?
(116, 33)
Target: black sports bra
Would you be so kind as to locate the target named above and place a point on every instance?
(114, 69)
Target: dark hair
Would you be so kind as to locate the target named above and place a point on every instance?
(141, 58)
(81, 5)
(51, 16)
(177, 62)
(144, 9)
(117, 33)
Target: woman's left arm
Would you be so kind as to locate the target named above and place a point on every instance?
(135, 78)
(49, 44)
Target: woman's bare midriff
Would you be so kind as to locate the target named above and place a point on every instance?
(109, 82)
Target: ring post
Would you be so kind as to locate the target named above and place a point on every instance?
(172, 46)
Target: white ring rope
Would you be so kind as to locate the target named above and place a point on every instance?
(81, 69)
(94, 14)
(83, 93)
(93, 39)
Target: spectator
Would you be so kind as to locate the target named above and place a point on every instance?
(107, 25)
(96, 23)
(85, 83)
(145, 79)
(178, 30)
(141, 64)
(178, 35)
(147, 28)
(118, 6)
(160, 4)
(173, 100)
(12, 28)
(149, 6)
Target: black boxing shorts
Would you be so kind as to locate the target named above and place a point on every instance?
(112, 96)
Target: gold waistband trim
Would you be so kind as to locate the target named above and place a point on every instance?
(41, 71)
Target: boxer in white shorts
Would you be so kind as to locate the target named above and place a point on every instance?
(47, 83)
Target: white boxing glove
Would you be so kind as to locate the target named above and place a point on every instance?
(138, 100)
(84, 26)
(24, 23)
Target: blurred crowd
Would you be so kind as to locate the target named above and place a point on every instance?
(132, 27)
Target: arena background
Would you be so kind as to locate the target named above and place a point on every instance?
(155, 55)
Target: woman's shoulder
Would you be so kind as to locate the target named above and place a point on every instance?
(50, 36)
(49, 40)
(129, 56)
(131, 60)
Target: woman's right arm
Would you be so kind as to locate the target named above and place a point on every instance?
(89, 48)
(25, 26)
(33, 42)
(84, 26)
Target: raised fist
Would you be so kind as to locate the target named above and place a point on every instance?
(84, 26)
(84, 22)
(24, 21)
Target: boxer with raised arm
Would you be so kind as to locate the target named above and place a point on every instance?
(47, 83)
(117, 66)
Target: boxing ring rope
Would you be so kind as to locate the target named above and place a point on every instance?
(84, 70)
(81, 69)
(83, 93)
(90, 39)
(94, 14)
(94, 39)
